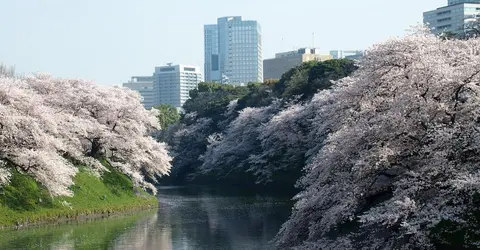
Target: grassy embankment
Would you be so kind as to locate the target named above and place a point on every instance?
(26, 202)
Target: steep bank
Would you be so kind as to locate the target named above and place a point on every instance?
(25, 202)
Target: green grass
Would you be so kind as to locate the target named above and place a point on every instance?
(25, 202)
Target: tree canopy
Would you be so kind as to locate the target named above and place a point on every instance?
(225, 134)
(167, 116)
(387, 150)
(398, 168)
(49, 126)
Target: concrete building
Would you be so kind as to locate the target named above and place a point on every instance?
(454, 2)
(233, 51)
(350, 54)
(454, 17)
(144, 86)
(274, 68)
(173, 83)
(169, 84)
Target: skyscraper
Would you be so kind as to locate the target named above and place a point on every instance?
(453, 18)
(233, 51)
(211, 66)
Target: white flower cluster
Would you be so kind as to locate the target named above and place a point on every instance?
(48, 124)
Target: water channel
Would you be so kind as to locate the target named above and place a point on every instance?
(188, 218)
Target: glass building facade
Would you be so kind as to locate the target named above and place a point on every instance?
(233, 51)
(211, 66)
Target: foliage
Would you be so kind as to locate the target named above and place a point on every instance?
(167, 116)
(283, 145)
(228, 153)
(210, 100)
(398, 168)
(472, 28)
(48, 124)
(7, 71)
(25, 201)
(188, 143)
(230, 133)
(310, 77)
(291, 78)
(259, 95)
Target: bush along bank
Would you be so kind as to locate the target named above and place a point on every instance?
(25, 202)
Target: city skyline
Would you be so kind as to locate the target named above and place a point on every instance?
(109, 43)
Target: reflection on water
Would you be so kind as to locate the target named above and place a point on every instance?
(188, 218)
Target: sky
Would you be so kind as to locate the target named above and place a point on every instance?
(108, 41)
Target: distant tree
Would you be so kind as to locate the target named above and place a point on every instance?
(228, 153)
(292, 77)
(259, 95)
(271, 81)
(310, 77)
(283, 142)
(168, 115)
(472, 28)
(7, 71)
(211, 99)
(188, 142)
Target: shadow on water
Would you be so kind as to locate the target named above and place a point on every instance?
(188, 218)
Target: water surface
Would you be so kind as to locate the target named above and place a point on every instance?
(188, 218)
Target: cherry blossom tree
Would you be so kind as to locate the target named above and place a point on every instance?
(188, 143)
(229, 152)
(47, 124)
(398, 166)
(283, 140)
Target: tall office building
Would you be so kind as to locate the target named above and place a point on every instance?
(173, 83)
(211, 66)
(274, 68)
(453, 18)
(233, 51)
(169, 84)
(144, 86)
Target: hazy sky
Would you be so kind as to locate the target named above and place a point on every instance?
(110, 40)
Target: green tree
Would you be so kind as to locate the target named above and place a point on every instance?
(308, 78)
(210, 99)
(168, 115)
(259, 95)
